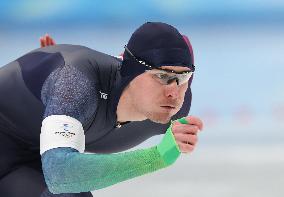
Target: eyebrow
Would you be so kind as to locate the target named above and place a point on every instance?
(170, 69)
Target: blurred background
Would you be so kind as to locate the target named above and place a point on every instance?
(237, 88)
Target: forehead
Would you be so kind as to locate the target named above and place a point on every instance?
(176, 68)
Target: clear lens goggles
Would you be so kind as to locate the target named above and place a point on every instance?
(165, 76)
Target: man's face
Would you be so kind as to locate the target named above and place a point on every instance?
(154, 100)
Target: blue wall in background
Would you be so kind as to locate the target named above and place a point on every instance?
(238, 48)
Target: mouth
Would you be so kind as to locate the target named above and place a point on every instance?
(169, 107)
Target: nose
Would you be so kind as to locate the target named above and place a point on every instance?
(172, 89)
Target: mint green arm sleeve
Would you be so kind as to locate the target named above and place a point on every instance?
(68, 171)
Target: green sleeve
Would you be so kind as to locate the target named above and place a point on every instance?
(68, 171)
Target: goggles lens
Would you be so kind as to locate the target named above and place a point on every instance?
(166, 77)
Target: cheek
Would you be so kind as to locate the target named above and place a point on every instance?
(148, 92)
(183, 89)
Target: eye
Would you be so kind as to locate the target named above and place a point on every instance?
(161, 75)
(184, 76)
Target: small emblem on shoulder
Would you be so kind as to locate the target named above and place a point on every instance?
(103, 95)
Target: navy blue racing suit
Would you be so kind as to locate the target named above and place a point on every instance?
(69, 80)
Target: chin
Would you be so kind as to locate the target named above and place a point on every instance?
(162, 119)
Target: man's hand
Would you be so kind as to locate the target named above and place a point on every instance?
(186, 134)
(46, 41)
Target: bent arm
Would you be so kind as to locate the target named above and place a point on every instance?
(68, 171)
(67, 95)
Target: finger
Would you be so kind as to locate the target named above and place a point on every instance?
(190, 141)
(195, 121)
(190, 120)
(182, 128)
(52, 41)
(186, 138)
(47, 40)
(185, 148)
(42, 44)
